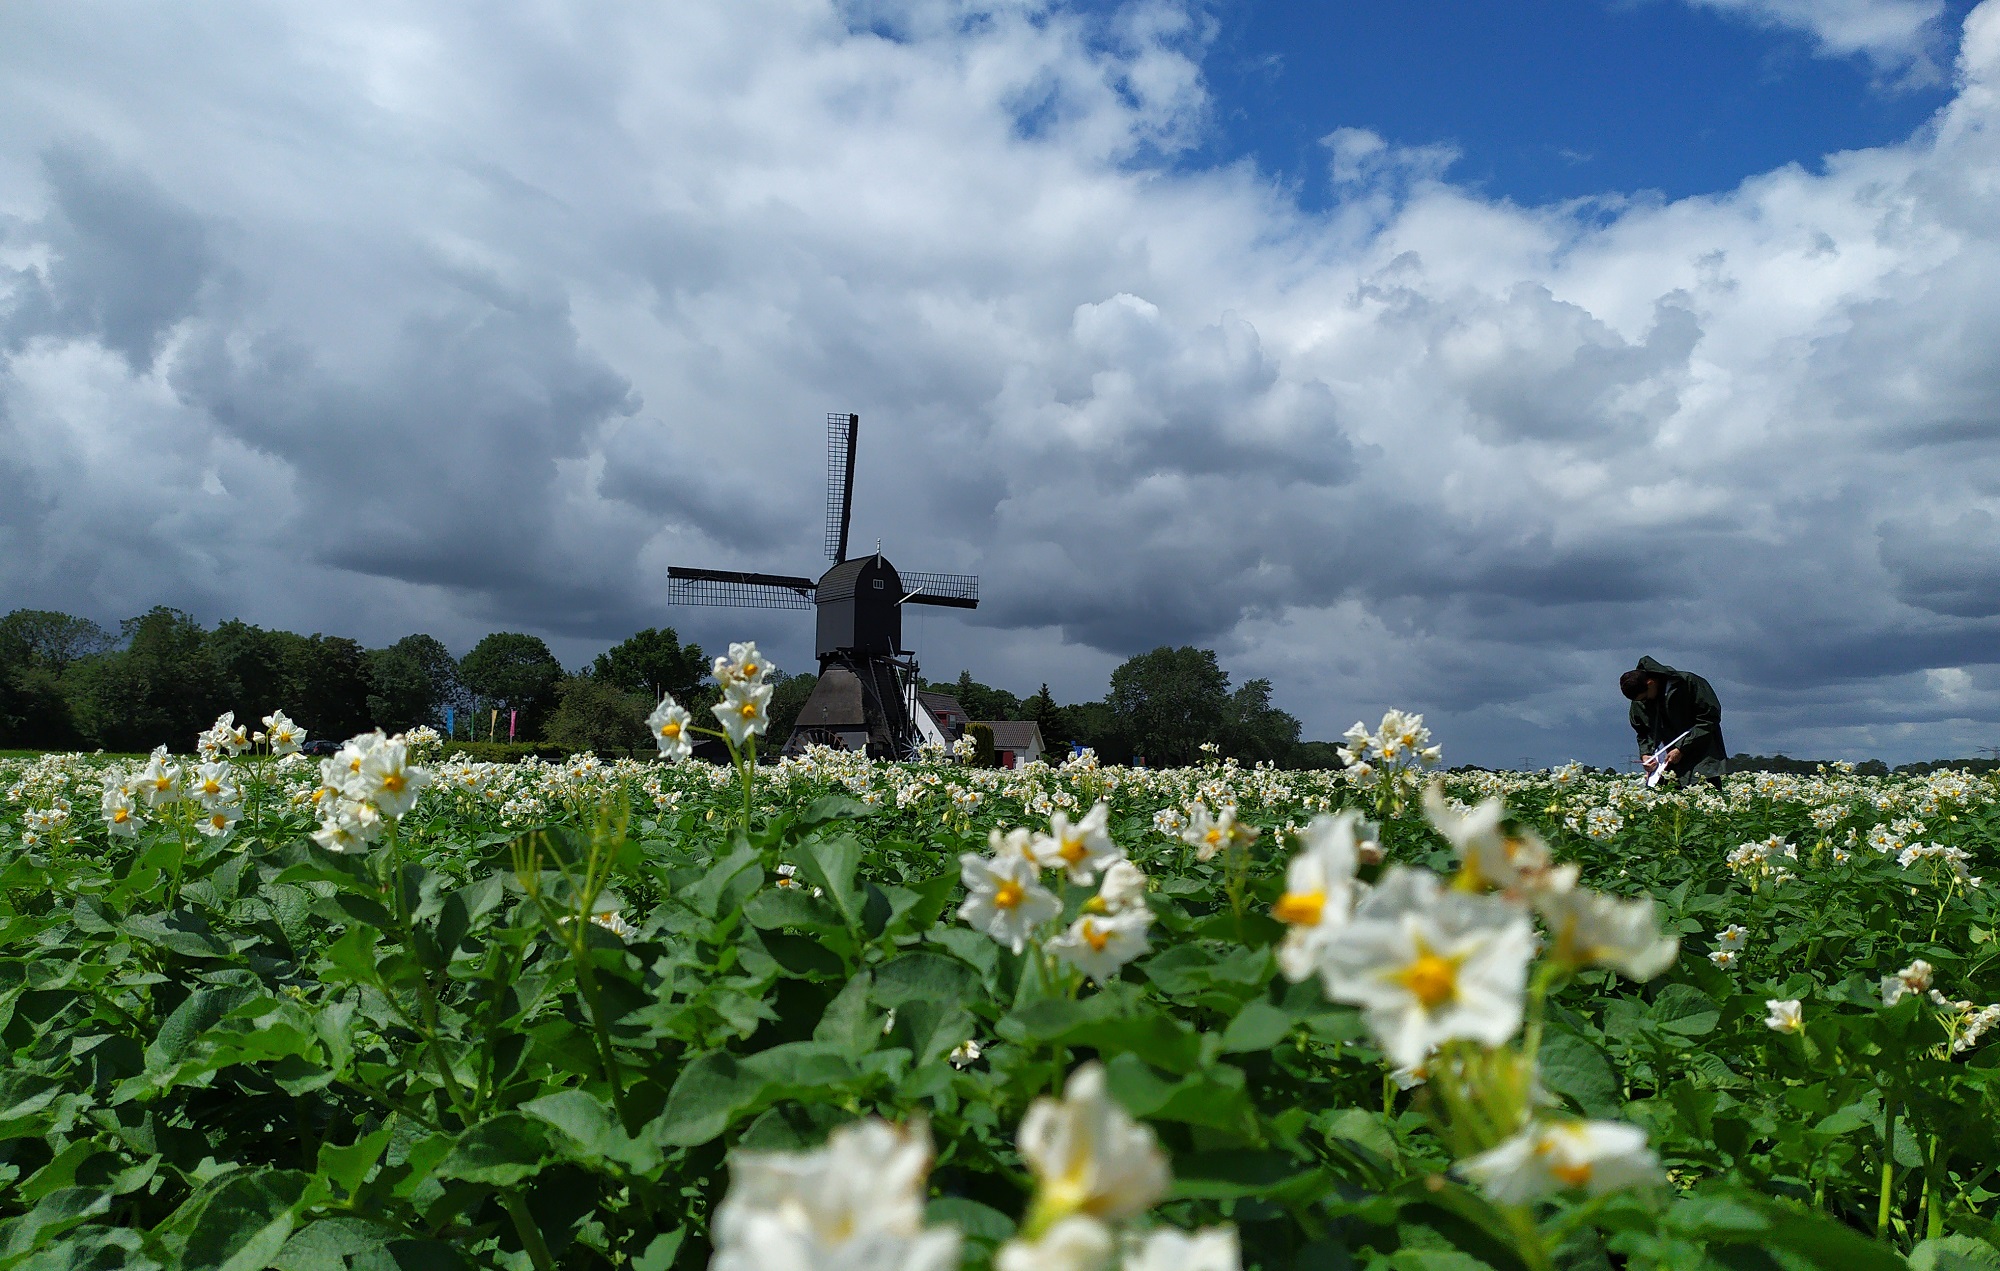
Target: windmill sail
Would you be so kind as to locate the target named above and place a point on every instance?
(842, 430)
(737, 590)
(957, 591)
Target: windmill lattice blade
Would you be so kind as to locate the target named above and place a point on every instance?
(736, 590)
(957, 591)
(842, 429)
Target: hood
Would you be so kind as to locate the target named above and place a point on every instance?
(1653, 666)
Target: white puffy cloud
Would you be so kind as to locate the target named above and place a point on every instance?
(376, 317)
(1896, 35)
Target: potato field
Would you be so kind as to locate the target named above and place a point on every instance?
(390, 1009)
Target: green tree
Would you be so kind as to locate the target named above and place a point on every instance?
(163, 688)
(654, 662)
(412, 682)
(50, 640)
(326, 680)
(1253, 730)
(509, 671)
(979, 700)
(788, 698)
(1058, 729)
(592, 713)
(36, 647)
(1097, 726)
(1170, 701)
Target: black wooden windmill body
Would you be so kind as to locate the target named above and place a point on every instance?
(866, 697)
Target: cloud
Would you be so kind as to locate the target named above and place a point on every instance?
(372, 319)
(1898, 36)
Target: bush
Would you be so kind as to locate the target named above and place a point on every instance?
(505, 751)
(984, 753)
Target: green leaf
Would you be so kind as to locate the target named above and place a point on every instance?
(1258, 1026)
(349, 1166)
(830, 863)
(593, 1132)
(706, 896)
(1686, 1010)
(243, 1223)
(659, 1255)
(351, 1244)
(931, 977)
(849, 1022)
(500, 1152)
(1954, 1253)
(183, 932)
(1571, 1066)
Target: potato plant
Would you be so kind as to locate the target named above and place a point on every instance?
(531, 1022)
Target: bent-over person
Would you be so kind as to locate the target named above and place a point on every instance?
(1667, 704)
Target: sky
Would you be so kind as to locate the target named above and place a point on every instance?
(1446, 356)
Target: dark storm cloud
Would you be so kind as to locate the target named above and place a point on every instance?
(375, 319)
(129, 263)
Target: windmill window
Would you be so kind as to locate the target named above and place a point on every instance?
(878, 584)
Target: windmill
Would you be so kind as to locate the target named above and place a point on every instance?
(866, 697)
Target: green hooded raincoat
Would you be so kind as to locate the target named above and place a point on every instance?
(1686, 701)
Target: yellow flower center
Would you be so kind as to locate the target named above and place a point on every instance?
(163, 783)
(670, 729)
(1214, 834)
(219, 821)
(1010, 894)
(1431, 979)
(1300, 908)
(394, 782)
(1572, 1175)
(749, 670)
(121, 816)
(1093, 937)
(1071, 849)
(748, 710)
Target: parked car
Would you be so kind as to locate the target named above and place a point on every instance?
(319, 746)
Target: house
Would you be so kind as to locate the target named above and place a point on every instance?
(1018, 741)
(941, 714)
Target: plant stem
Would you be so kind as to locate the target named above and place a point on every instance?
(1888, 1170)
(524, 1226)
(586, 979)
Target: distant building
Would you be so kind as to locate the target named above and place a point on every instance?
(947, 717)
(1018, 741)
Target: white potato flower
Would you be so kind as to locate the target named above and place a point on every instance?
(218, 820)
(966, 1053)
(1088, 1155)
(1082, 848)
(1588, 928)
(1553, 1156)
(1005, 897)
(1165, 1249)
(744, 665)
(212, 784)
(1732, 938)
(284, 736)
(1320, 891)
(856, 1204)
(1785, 1016)
(1725, 958)
(1427, 967)
(744, 710)
(121, 814)
(1211, 833)
(159, 782)
(1076, 1243)
(1124, 887)
(1914, 978)
(1099, 945)
(1492, 855)
(669, 726)
(388, 779)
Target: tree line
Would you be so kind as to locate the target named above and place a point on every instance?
(68, 683)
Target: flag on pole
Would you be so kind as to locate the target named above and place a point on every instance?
(493, 726)
(448, 722)
(510, 724)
